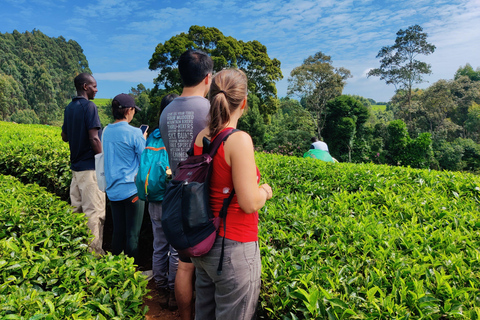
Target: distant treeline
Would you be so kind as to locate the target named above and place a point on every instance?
(36, 76)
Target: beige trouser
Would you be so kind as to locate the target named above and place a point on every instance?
(87, 198)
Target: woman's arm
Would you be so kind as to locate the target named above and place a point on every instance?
(239, 154)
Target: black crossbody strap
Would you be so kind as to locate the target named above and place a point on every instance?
(223, 215)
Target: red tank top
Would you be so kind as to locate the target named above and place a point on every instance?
(241, 227)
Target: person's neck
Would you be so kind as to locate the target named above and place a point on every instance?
(82, 94)
(120, 120)
(198, 90)
(233, 122)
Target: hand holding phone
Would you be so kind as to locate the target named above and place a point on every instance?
(144, 129)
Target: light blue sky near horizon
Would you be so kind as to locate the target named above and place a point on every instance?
(119, 37)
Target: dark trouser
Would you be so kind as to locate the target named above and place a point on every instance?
(127, 218)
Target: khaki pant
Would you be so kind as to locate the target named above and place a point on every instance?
(88, 199)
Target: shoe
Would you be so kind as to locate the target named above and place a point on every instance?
(172, 302)
(163, 297)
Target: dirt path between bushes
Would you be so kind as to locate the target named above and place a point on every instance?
(155, 312)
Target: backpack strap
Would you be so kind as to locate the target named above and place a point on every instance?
(217, 141)
(223, 215)
(214, 145)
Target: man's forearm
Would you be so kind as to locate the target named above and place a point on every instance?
(96, 145)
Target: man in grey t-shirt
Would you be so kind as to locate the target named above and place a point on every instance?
(180, 123)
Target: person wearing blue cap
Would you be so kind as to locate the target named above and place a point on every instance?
(122, 146)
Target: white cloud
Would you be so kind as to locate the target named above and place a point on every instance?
(109, 9)
(119, 33)
(142, 75)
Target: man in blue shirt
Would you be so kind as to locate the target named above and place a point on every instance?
(81, 129)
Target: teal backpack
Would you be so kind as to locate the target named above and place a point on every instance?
(154, 170)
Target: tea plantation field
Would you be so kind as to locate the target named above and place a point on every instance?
(338, 241)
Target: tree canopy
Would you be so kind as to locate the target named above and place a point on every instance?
(317, 81)
(226, 52)
(398, 63)
(468, 71)
(345, 119)
(36, 73)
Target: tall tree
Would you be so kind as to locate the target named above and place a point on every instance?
(465, 92)
(148, 115)
(11, 96)
(468, 71)
(345, 119)
(317, 81)
(398, 64)
(252, 121)
(291, 129)
(226, 52)
(43, 69)
(472, 124)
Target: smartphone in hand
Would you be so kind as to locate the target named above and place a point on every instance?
(144, 128)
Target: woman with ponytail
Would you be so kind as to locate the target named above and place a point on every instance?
(234, 293)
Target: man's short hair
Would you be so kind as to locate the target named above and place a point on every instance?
(81, 79)
(314, 139)
(194, 66)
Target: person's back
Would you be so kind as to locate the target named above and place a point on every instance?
(229, 288)
(179, 123)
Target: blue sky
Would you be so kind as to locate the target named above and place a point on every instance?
(119, 37)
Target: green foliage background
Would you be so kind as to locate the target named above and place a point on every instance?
(36, 73)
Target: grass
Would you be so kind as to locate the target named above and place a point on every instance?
(379, 107)
(102, 102)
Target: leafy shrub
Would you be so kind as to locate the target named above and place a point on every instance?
(400, 149)
(26, 116)
(46, 271)
(338, 241)
(36, 153)
(290, 143)
(364, 241)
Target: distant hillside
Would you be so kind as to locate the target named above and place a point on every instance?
(36, 76)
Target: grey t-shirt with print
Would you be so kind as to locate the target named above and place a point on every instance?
(180, 123)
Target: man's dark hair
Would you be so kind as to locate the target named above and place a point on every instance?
(119, 113)
(166, 100)
(194, 66)
(314, 139)
(81, 79)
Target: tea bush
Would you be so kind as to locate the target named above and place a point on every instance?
(338, 241)
(46, 271)
(36, 153)
(346, 241)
